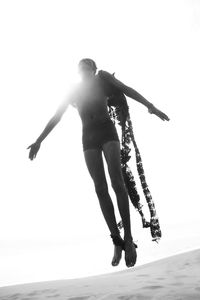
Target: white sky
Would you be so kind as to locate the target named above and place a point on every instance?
(154, 47)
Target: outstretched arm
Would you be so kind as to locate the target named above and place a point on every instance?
(53, 121)
(130, 92)
(50, 125)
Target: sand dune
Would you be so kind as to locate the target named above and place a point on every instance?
(176, 277)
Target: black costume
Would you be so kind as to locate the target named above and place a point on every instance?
(94, 135)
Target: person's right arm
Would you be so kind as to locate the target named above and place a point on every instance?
(50, 125)
(53, 121)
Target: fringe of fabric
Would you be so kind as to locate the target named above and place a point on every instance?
(120, 113)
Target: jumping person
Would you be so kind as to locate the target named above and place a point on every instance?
(99, 135)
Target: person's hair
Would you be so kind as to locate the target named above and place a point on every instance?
(90, 62)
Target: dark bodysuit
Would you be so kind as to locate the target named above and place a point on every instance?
(91, 102)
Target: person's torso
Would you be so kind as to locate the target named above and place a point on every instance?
(91, 101)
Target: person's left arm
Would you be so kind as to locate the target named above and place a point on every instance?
(130, 92)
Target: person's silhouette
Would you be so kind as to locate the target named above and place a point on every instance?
(99, 136)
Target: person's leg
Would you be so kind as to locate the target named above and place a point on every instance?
(94, 162)
(111, 151)
(112, 155)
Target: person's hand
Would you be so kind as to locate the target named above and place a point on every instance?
(158, 113)
(33, 150)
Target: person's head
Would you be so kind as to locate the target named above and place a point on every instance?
(87, 68)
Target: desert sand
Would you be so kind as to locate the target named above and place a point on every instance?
(176, 277)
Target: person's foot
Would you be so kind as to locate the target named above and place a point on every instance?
(117, 255)
(130, 253)
(118, 248)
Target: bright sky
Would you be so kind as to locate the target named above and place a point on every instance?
(154, 47)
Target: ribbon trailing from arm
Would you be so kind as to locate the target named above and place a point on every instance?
(119, 112)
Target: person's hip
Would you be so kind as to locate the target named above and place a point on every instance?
(94, 135)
